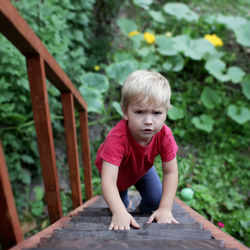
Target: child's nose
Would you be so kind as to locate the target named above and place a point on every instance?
(148, 120)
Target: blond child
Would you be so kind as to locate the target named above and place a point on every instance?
(126, 157)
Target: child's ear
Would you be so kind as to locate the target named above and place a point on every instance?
(125, 114)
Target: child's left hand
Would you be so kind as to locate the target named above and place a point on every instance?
(162, 215)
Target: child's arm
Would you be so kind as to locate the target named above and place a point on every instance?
(121, 219)
(169, 185)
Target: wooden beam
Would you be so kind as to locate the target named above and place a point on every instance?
(18, 32)
(33, 241)
(10, 231)
(39, 97)
(72, 152)
(86, 154)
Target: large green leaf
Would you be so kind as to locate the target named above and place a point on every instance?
(117, 107)
(157, 16)
(246, 88)
(119, 71)
(174, 63)
(143, 3)
(210, 98)
(239, 114)
(236, 74)
(193, 48)
(93, 98)
(96, 81)
(204, 122)
(127, 25)
(216, 67)
(231, 22)
(243, 35)
(166, 46)
(175, 113)
(180, 11)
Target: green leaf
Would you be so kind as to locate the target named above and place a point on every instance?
(174, 63)
(120, 71)
(236, 74)
(127, 25)
(231, 22)
(143, 3)
(193, 48)
(27, 159)
(210, 98)
(180, 11)
(246, 88)
(157, 16)
(166, 46)
(216, 67)
(37, 208)
(238, 114)
(117, 107)
(204, 122)
(243, 35)
(175, 113)
(93, 98)
(120, 56)
(15, 117)
(39, 193)
(96, 81)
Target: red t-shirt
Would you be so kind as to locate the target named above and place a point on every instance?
(134, 160)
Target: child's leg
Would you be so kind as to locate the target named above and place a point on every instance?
(124, 197)
(150, 189)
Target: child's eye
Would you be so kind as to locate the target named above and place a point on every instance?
(157, 112)
(138, 111)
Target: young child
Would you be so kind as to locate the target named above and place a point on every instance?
(126, 157)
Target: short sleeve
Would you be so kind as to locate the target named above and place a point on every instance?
(112, 150)
(168, 146)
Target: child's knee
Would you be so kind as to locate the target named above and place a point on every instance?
(150, 204)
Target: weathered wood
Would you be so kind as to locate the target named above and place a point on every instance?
(34, 240)
(86, 154)
(10, 231)
(18, 32)
(39, 97)
(114, 244)
(72, 152)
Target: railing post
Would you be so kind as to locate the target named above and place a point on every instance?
(39, 97)
(86, 153)
(10, 231)
(72, 153)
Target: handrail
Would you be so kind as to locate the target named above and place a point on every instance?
(41, 65)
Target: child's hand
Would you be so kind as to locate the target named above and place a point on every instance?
(122, 221)
(162, 215)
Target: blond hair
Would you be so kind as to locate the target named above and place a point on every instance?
(148, 86)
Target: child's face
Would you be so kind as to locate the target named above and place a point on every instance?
(144, 120)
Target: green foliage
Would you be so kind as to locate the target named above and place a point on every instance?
(210, 102)
(67, 29)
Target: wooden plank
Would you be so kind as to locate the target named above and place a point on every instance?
(18, 32)
(39, 97)
(72, 152)
(86, 153)
(34, 240)
(10, 231)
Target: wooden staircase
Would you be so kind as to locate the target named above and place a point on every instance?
(86, 226)
(87, 229)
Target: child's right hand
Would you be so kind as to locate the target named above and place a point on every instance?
(122, 221)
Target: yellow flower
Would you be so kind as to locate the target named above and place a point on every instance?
(215, 40)
(132, 33)
(169, 34)
(97, 68)
(149, 37)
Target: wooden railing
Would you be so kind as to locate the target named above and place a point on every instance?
(41, 65)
